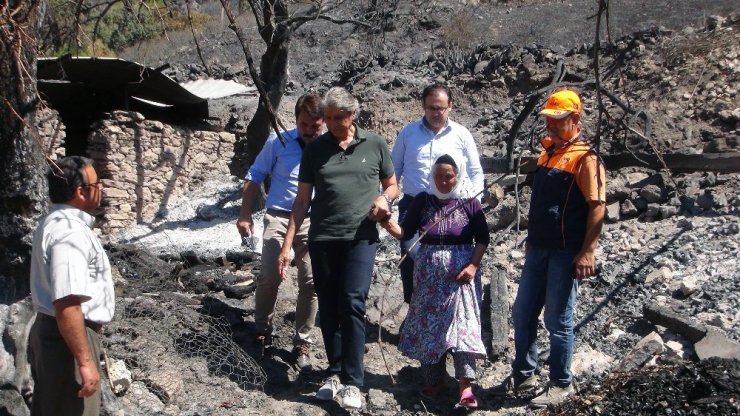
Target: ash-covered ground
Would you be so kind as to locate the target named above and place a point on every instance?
(689, 262)
(671, 240)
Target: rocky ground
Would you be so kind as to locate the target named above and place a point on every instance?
(182, 340)
(671, 240)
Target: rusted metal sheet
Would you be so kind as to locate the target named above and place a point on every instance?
(98, 84)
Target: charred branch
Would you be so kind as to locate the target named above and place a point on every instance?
(677, 162)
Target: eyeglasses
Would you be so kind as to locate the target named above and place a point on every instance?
(436, 109)
(97, 184)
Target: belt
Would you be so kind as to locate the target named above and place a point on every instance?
(278, 212)
(95, 326)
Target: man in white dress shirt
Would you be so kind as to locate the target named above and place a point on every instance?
(417, 146)
(72, 292)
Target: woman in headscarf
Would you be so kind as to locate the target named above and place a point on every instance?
(345, 168)
(444, 315)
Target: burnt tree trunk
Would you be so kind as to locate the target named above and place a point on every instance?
(276, 31)
(274, 76)
(23, 186)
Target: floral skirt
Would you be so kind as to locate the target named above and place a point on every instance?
(444, 314)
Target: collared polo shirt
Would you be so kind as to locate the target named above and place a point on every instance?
(417, 148)
(345, 183)
(281, 162)
(67, 259)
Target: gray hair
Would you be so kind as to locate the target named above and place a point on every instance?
(341, 99)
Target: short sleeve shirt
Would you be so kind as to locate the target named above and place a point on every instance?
(281, 163)
(345, 182)
(67, 259)
(591, 179)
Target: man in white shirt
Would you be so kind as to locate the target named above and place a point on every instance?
(417, 146)
(72, 293)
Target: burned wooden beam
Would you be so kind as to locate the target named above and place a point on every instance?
(240, 290)
(677, 162)
(705, 162)
(499, 314)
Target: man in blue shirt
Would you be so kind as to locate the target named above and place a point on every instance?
(417, 146)
(282, 162)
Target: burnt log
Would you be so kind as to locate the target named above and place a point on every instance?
(705, 162)
(240, 290)
(499, 314)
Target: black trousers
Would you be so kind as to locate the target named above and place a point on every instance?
(342, 272)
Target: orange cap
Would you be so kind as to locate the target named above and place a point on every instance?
(561, 104)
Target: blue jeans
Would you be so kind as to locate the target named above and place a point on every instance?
(342, 272)
(407, 266)
(548, 280)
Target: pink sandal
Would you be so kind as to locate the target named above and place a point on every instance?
(468, 400)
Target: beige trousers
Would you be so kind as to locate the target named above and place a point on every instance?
(265, 297)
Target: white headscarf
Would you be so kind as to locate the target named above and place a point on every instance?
(459, 191)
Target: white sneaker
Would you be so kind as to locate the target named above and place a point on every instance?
(350, 397)
(329, 388)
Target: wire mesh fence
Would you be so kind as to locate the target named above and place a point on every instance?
(163, 350)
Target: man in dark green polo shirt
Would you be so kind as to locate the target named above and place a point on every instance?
(345, 167)
(346, 185)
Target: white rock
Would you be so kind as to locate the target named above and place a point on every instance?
(675, 346)
(716, 319)
(166, 383)
(516, 254)
(689, 285)
(717, 344)
(615, 334)
(144, 399)
(635, 177)
(661, 275)
(120, 376)
(645, 350)
(586, 360)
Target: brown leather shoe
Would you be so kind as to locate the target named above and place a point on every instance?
(303, 357)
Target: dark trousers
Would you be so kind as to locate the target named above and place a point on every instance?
(342, 272)
(407, 265)
(56, 374)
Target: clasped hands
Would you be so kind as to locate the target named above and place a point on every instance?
(379, 211)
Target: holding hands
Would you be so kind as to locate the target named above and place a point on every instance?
(380, 209)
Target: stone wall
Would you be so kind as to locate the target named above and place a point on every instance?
(144, 164)
(52, 133)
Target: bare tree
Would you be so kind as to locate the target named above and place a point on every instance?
(276, 25)
(22, 167)
(25, 24)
